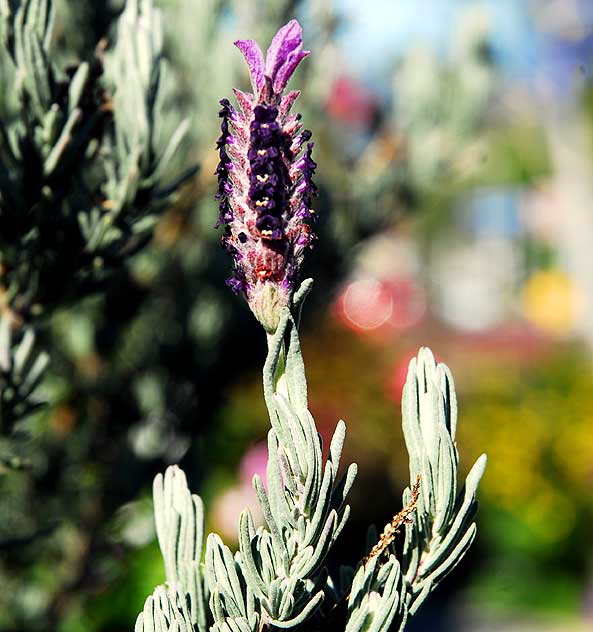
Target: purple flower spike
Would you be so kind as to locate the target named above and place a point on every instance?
(265, 179)
(284, 55)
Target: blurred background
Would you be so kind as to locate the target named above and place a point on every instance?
(454, 144)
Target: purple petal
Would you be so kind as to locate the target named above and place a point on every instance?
(284, 54)
(255, 60)
(285, 72)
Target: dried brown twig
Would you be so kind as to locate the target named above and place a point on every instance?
(392, 528)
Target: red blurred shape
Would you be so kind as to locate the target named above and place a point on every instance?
(409, 303)
(365, 305)
(368, 304)
(350, 102)
(254, 461)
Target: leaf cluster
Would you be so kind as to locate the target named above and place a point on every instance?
(85, 153)
(82, 163)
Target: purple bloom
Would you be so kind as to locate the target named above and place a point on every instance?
(265, 180)
(284, 55)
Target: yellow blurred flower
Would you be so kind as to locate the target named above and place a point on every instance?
(551, 301)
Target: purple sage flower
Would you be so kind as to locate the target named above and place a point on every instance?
(265, 180)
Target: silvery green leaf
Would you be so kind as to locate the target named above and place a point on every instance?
(443, 527)
(139, 151)
(164, 611)
(377, 597)
(232, 602)
(179, 517)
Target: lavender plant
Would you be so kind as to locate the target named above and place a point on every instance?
(278, 578)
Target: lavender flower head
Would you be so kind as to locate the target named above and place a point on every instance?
(265, 178)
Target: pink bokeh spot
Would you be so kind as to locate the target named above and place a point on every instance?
(254, 461)
(367, 305)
